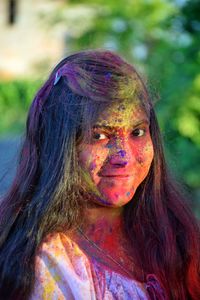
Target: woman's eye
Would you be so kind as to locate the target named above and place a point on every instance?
(138, 132)
(99, 136)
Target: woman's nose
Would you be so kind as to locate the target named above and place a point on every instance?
(119, 154)
(118, 158)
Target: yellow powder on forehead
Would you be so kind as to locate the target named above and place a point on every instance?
(120, 114)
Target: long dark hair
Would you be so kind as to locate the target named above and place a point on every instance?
(45, 194)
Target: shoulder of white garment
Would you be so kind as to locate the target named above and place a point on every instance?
(63, 271)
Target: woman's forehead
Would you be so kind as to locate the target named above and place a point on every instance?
(122, 115)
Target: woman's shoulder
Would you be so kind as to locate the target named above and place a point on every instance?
(61, 265)
(57, 242)
(59, 246)
(61, 269)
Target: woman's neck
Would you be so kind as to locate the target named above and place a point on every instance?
(102, 235)
(103, 223)
(104, 226)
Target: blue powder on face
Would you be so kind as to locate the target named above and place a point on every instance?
(103, 201)
(128, 194)
(109, 146)
(122, 153)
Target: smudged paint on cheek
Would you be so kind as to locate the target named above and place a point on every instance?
(91, 159)
(93, 166)
(148, 152)
(117, 195)
(84, 157)
(144, 153)
(109, 146)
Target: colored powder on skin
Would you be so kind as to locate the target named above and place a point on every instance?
(140, 160)
(121, 107)
(128, 194)
(122, 153)
(111, 184)
(93, 166)
(89, 183)
(109, 146)
(103, 201)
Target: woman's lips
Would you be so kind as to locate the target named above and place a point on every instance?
(116, 176)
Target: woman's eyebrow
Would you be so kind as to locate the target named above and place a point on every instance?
(144, 121)
(106, 127)
(111, 128)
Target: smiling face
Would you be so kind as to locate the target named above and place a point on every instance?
(118, 156)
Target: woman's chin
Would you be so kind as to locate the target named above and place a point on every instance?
(115, 200)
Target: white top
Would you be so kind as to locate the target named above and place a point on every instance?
(63, 271)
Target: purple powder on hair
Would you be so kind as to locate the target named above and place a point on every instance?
(108, 76)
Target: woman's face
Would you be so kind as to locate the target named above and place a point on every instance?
(118, 157)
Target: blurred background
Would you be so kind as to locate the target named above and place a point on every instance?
(162, 39)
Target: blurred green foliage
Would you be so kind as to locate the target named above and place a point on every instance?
(162, 39)
(15, 98)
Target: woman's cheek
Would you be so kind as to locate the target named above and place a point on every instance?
(144, 154)
(84, 158)
(149, 152)
(98, 160)
(92, 158)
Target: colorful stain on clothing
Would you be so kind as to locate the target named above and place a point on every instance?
(76, 275)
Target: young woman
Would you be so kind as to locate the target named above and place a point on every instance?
(92, 212)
